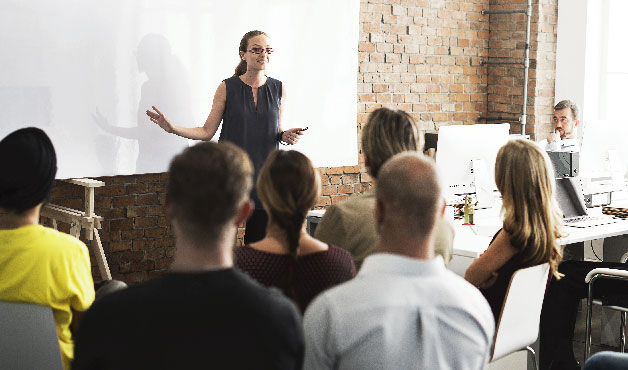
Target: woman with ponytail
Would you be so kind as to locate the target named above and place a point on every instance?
(250, 105)
(289, 258)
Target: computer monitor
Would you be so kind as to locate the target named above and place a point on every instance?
(604, 154)
(466, 157)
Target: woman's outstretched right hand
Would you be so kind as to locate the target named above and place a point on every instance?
(160, 120)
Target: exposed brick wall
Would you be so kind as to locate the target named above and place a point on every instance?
(422, 56)
(137, 239)
(505, 82)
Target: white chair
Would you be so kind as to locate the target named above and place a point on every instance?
(518, 324)
(592, 277)
(28, 338)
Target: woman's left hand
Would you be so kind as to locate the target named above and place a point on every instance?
(291, 136)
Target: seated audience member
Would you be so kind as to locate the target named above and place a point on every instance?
(288, 257)
(351, 224)
(38, 264)
(404, 310)
(607, 361)
(532, 221)
(560, 308)
(203, 313)
(566, 122)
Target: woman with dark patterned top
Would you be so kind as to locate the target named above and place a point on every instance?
(250, 106)
(289, 258)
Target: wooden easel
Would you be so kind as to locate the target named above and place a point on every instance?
(82, 220)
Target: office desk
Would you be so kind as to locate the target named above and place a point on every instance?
(471, 241)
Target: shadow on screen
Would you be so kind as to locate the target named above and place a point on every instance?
(24, 107)
(168, 88)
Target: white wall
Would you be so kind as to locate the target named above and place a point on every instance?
(591, 67)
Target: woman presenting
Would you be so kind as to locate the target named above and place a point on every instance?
(249, 104)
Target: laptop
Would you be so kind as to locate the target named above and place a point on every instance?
(571, 201)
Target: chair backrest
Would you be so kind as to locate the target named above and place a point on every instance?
(518, 324)
(28, 337)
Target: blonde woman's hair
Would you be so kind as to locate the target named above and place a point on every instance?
(386, 133)
(288, 187)
(525, 177)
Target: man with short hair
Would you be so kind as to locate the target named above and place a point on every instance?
(38, 264)
(565, 119)
(351, 224)
(204, 313)
(404, 309)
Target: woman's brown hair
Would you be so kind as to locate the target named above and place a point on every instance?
(288, 186)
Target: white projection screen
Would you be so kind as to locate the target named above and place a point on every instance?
(85, 72)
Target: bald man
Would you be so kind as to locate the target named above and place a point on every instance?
(404, 309)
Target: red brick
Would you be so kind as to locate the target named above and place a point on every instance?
(156, 187)
(111, 213)
(366, 46)
(110, 190)
(163, 221)
(345, 189)
(350, 179)
(338, 198)
(120, 224)
(334, 170)
(136, 211)
(139, 245)
(163, 264)
(323, 202)
(143, 265)
(155, 232)
(132, 234)
(136, 189)
(148, 199)
(125, 201)
(169, 242)
(152, 177)
(329, 190)
(155, 254)
(119, 246)
(144, 222)
(129, 256)
(124, 267)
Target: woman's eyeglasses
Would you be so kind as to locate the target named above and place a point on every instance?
(260, 50)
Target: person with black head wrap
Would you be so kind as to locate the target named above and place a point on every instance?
(28, 166)
(38, 264)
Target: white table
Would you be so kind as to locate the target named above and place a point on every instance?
(471, 241)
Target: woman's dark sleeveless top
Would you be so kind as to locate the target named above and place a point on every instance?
(252, 128)
(496, 294)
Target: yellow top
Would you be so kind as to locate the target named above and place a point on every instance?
(43, 266)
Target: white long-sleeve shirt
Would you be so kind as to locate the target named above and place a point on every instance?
(564, 145)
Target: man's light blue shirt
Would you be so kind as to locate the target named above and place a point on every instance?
(399, 313)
